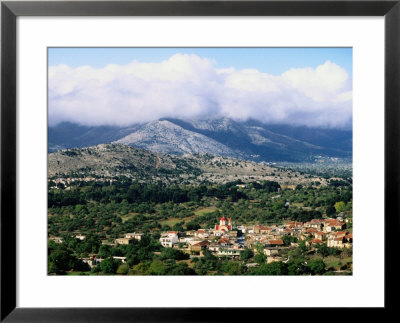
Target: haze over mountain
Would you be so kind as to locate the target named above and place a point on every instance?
(250, 140)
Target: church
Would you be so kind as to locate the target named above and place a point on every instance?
(224, 225)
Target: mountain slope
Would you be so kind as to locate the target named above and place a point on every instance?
(71, 135)
(167, 137)
(251, 140)
(111, 160)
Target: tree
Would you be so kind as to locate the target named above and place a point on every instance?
(246, 254)
(287, 239)
(231, 267)
(260, 257)
(157, 267)
(317, 266)
(170, 253)
(181, 269)
(274, 269)
(322, 249)
(331, 211)
(302, 247)
(60, 261)
(295, 266)
(109, 265)
(123, 269)
(340, 206)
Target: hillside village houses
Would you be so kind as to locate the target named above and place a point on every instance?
(226, 240)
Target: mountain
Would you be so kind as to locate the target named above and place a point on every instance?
(263, 142)
(71, 135)
(167, 137)
(107, 161)
(251, 140)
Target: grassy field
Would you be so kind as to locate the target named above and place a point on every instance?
(205, 210)
(335, 262)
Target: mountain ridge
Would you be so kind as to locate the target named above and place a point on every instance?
(251, 139)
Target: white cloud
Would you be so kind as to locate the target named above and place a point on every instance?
(188, 86)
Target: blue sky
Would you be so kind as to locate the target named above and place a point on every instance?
(273, 61)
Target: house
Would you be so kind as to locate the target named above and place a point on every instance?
(336, 243)
(201, 233)
(271, 251)
(311, 231)
(228, 252)
(169, 238)
(199, 247)
(273, 259)
(224, 242)
(333, 224)
(316, 241)
(134, 235)
(123, 241)
(275, 243)
(123, 259)
(80, 237)
(319, 235)
(262, 229)
(233, 233)
(288, 231)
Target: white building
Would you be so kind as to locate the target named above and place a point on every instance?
(169, 238)
(134, 235)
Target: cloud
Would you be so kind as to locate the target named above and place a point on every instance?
(188, 86)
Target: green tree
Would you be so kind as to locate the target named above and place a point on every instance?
(170, 253)
(109, 265)
(157, 267)
(60, 261)
(123, 269)
(273, 269)
(340, 206)
(246, 254)
(317, 266)
(322, 249)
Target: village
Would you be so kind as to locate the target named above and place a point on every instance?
(225, 240)
(229, 241)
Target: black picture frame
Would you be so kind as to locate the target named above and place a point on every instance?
(10, 10)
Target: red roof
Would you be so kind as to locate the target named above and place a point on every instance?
(223, 219)
(202, 243)
(223, 240)
(312, 230)
(277, 241)
(316, 241)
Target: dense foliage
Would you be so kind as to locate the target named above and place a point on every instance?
(104, 212)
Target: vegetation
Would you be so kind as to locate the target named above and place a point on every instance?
(103, 212)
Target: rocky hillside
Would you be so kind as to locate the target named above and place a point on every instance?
(166, 137)
(250, 140)
(110, 160)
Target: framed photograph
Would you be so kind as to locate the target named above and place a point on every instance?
(160, 158)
